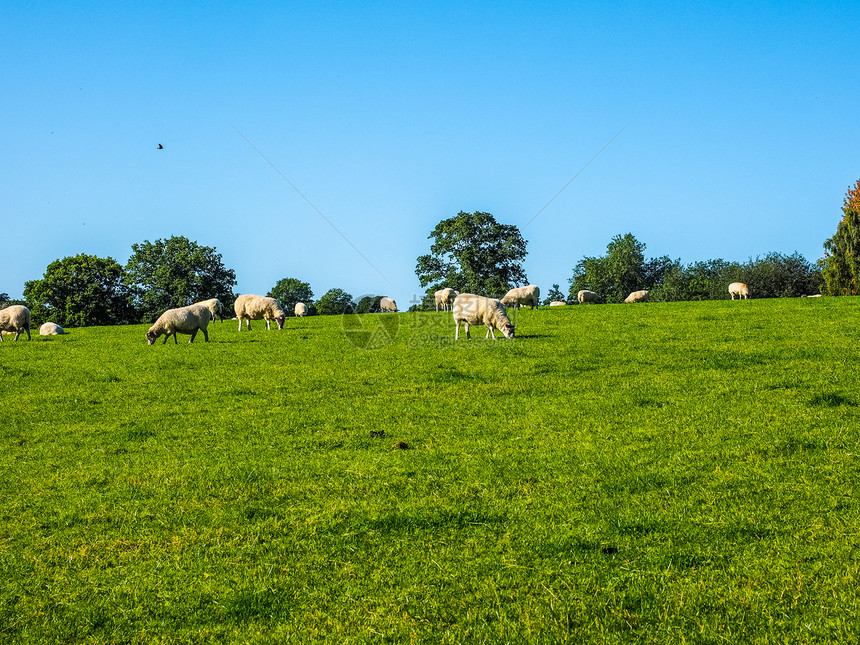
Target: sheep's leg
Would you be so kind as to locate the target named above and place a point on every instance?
(193, 334)
(457, 333)
(468, 335)
(17, 333)
(205, 334)
(268, 327)
(490, 332)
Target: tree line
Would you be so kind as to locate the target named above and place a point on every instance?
(84, 290)
(473, 253)
(470, 252)
(625, 269)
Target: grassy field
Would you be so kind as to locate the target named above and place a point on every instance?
(679, 472)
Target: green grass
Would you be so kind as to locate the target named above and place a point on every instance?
(679, 472)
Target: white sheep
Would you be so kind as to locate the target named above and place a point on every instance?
(584, 295)
(387, 304)
(14, 320)
(637, 296)
(183, 320)
(214, 306)
(301, 309)
(445, 297)
(740, 290)
(474, 310)
(526, 296)
(249, 307)
(51, 329)
(557, 303)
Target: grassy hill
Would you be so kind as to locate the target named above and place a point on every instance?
(657, 473)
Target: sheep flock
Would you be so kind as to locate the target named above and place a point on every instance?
(467, 308)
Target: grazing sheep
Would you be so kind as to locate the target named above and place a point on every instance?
(557, 303)
(637, 296)
(445, 297)
(50, 329)
(250, 308)
(739, 289)
(301, 309)
(215, 308)
(387, 304)
(474, 310)
(183, 320)
(14, 320)
(817, 295)
(584, 296)
(528, 296)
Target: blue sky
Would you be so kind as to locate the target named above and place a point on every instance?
(738, 131)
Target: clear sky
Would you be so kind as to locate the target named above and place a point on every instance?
(738, 130)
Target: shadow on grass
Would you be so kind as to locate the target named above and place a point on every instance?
(831, 399)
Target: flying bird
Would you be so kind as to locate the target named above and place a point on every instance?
(160, 147)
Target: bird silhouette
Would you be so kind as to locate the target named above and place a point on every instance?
(160, 147)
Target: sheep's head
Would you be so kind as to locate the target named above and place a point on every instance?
(151, 336)
(508, 330)
(280, 320)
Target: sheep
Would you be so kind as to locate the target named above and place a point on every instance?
(584, 295)
(387, 304)
(183, 320)
(51, 329)
(445, 297)
(14, 320)
(557, 303)
(528, 295)
(214, 306)
(301, 309)
(249, 307)
(474, 310)
(739, 289)
(637, 296)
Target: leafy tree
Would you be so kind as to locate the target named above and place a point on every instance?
(335, 302)
(614, 276)
(709, 280)
(79, 291)
(781, 276)
(176, 272)
(289, 291)
(4, 298)
(369, 305)
(667, 278)
(473, 253)
(554, 294)
(840, 266)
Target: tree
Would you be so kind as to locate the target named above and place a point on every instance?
(289, 291)
(176, 272)
(621, 271)
(335, 302)
(840, 266)
(80, 291)
(667, 278)
(781, 276)
(553, 295)
(473, 253)
(369, 305)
